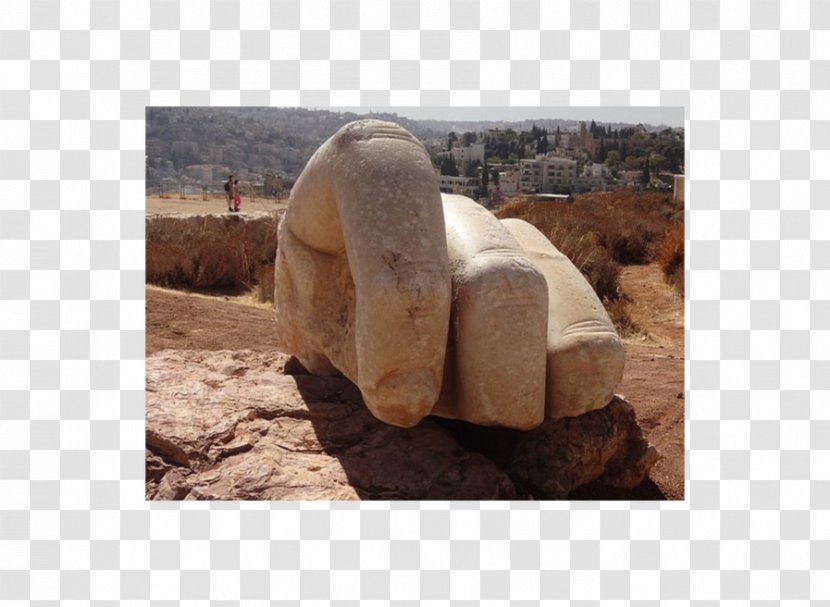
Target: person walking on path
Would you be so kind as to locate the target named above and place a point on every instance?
(229, 192)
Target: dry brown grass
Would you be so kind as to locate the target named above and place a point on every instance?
(584, 251)
(670, 255)
(599, 232)
(624, 222)
(208, 253)
(619, 311)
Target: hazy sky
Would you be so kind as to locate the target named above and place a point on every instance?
(670, 116)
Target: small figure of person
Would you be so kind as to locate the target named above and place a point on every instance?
(237, 196)
(229, 191)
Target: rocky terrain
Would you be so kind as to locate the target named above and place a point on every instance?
(250, 425)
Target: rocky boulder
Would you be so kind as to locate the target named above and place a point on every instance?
(247, 425)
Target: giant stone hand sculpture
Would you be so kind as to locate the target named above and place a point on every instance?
(427, 302)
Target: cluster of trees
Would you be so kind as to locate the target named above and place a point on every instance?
(625, 148)
(503, 146)
(540, 138)
(601, 131)
(663, 152)
(630, 148)
(448, 166)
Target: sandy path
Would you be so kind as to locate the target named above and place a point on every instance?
(654, 375)
(197, 206)
(188, 321)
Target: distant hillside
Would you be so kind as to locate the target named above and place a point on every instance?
(256, 140)
(201, 145)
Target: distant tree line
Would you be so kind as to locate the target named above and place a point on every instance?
(625, 148)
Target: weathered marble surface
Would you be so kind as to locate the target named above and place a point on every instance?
(362, 272)
(585, 356)
(495, 371)
(427, 302)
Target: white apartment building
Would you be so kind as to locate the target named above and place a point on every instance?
(560, 171)
(631, 178)
(509, 181)
(597, 169)
(466, 186)
(544, 174)
(467, 155)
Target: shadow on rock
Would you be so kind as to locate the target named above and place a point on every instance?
(604, 447)
(387, 462)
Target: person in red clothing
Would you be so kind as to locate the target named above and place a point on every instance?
(237, 196)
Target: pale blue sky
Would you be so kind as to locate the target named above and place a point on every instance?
(670, 116)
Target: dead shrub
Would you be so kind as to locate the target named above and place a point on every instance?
(601, 272)
(624, 223)
(620, 314)
(670, 255)
(165, 265)
(604, 275)
(627, 245)
(599, 232)
(208, 253)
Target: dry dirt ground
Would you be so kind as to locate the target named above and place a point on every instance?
(653, 379)
(197, 206)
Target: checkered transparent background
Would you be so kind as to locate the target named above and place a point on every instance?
(754, 78)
